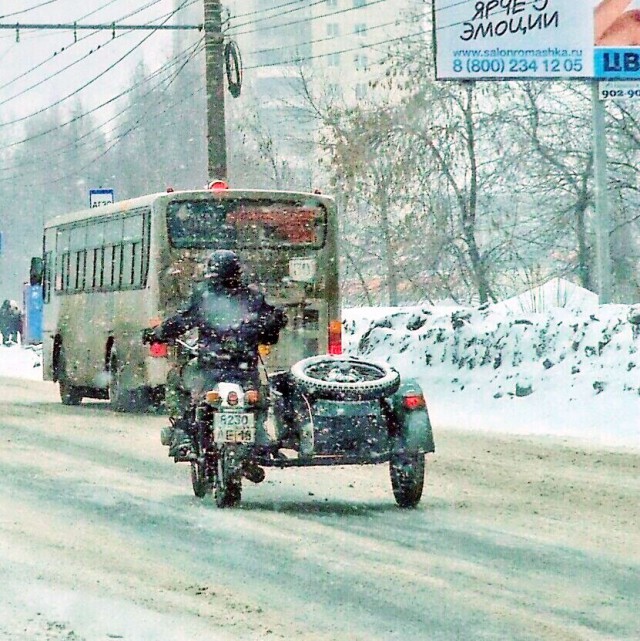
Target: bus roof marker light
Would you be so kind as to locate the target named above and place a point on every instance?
(218, 185)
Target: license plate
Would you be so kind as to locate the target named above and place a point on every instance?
(234, 428)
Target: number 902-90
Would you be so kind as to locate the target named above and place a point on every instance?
(620, 93)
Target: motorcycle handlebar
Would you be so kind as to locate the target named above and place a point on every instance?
(188, 346)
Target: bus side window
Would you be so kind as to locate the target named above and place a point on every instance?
(58, 274)
(90, 273)
(46, 280)
(77, 244)
(76, 270)
(132, 236)
(118, 266)
(136, 264)
(107, 272)
(100, 254)
(88, 270)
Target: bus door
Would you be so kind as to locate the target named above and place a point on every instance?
(51, 303)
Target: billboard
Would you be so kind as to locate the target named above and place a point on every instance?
(528, 39)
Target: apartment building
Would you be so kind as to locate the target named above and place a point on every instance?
(351, 40)
(337, 46)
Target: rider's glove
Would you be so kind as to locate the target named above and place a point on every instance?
(149, 335)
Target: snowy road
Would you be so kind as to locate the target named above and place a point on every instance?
(101, 538)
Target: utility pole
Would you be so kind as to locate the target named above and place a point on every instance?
(602, 216)
(214, 63)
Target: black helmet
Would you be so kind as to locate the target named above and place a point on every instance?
(223, 266)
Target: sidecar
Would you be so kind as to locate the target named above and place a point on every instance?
(343, 410)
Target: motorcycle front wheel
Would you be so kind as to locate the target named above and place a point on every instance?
(199, 479)
(228, 481)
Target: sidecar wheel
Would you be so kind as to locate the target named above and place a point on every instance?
(344, 378)
(407, 479)
(199, 481)
(228, 483)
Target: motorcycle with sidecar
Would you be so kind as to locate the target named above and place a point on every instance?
(326, 410)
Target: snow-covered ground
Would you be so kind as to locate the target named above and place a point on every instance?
(21, 362)
(570, 370)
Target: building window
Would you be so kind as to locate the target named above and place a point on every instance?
(360, 29)
(361, 91)
(333, 90)
(334, 60)
(360, 61)
(332, 3)
(359, 3)
(333, 29)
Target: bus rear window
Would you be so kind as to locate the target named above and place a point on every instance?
(245, 223)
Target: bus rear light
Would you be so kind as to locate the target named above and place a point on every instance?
(158, 350)
(413, 402)
(252, 396)
(335, 338)
(218, 185)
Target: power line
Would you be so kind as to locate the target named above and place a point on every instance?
(86, 15)
(317, 40)
(75, 42)
(307, 19)
(90, 82)
(283, 13)
(17, 13)
(58, 72)
(259, 11)
(195, 49)
(332, 53)
(100, 27)
(75, 26)
(133, 87)
(114, 143)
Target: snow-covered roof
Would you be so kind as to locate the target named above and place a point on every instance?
(557, 292)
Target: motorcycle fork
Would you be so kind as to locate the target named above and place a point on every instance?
(207, 452)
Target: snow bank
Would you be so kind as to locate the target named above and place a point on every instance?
(565, 372)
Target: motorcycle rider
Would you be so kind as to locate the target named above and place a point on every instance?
(232, 319)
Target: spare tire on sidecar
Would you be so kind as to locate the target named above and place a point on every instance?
(344, 378)
(352, 411)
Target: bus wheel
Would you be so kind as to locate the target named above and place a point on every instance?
(119, 397)
(69, 394)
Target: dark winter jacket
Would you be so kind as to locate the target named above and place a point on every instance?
(232, 322)
(10, 320)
